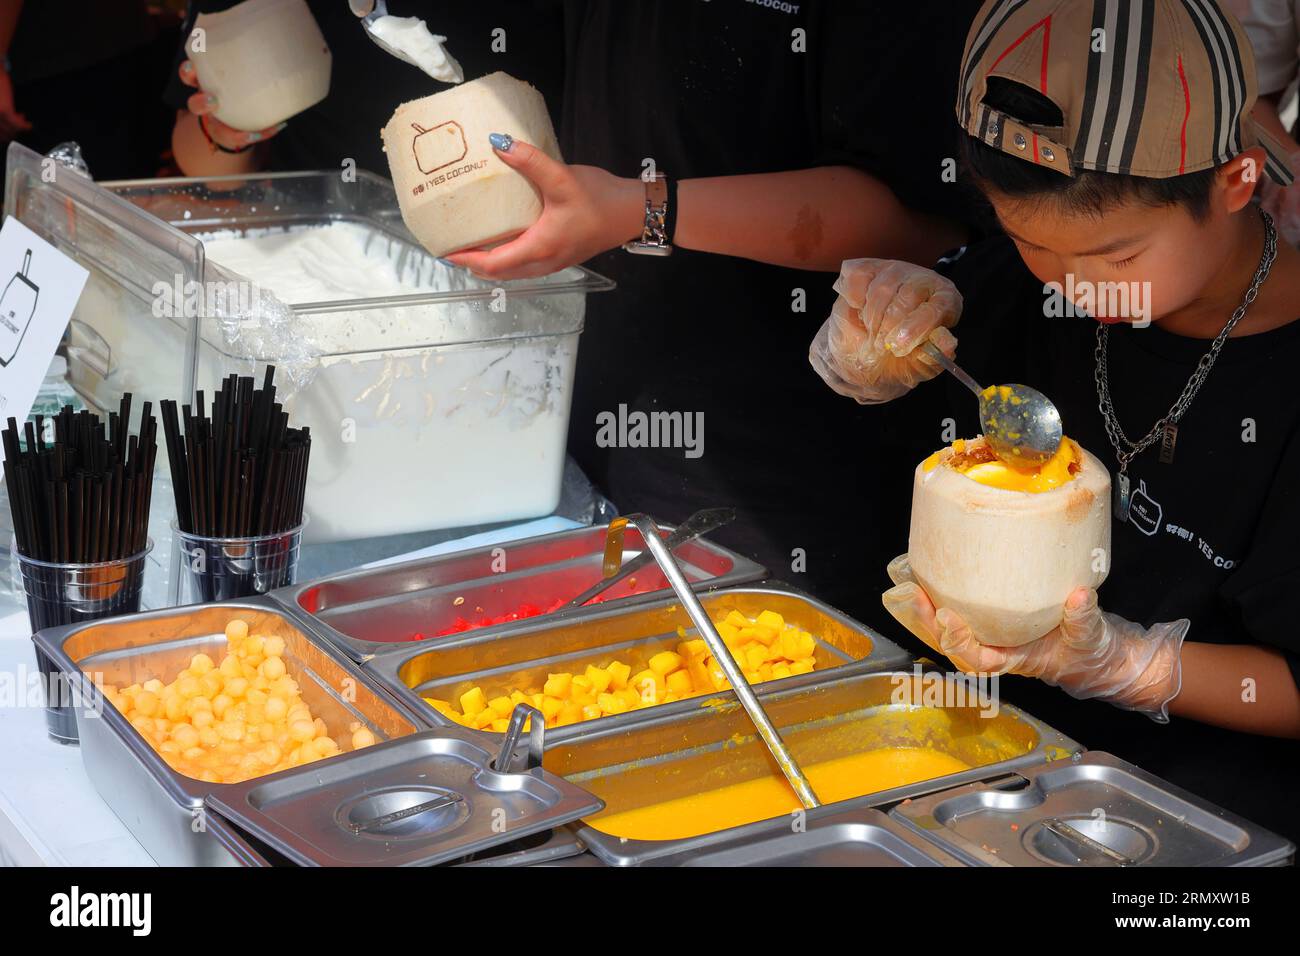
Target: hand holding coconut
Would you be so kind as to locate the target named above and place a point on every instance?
(1090, 654)
(867, 348)
(585, 211)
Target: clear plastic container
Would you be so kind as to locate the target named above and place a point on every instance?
(441, 408)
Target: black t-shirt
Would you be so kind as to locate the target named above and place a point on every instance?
(723, 88)
(367, 84)
(1213, 536)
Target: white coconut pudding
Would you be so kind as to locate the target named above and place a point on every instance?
(1004, 547)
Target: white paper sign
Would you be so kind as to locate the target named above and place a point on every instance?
(39, 288)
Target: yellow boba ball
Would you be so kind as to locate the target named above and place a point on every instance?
(231, 730)
(236, 631)
(146, 703)
(187, 687)
(272, 668)
(325, 746)
(210, 685)
(362, 737)
(302, 730)
(236, 687)
(154, 686)
(276, 709)
(273, 646)
(201, 664)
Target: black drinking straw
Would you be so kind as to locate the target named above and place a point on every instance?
(84, 497)
(240, 472)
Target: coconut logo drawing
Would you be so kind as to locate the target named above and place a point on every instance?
(17, 306)
(1144, 512)
(440, 146)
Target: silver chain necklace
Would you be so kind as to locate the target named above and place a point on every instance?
(1166, 429)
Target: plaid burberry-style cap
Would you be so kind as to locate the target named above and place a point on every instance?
(1154, 88)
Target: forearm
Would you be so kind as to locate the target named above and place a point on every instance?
(807, 219)
(196, 158)
(1248, 688)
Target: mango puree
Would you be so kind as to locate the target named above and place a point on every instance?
(975, 460)
(841, 778)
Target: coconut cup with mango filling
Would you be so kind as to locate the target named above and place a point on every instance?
(1004, 547)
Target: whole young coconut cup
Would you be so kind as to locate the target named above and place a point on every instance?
(1007, 560)
(454, 191)
(264, 61)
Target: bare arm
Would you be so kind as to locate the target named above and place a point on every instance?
(807, 219)
(1241, 687)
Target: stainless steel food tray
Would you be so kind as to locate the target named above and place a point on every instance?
(862, 837)
(1095, 810)
(371, 612)
(673, 755)
(162, 808)
(523, 656)
(423, 799)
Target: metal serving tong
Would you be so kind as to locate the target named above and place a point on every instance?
(663, 556)
(702, 522)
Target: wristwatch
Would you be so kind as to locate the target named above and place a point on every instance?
(655, 235)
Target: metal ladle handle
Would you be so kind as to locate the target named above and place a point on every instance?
(722, 654)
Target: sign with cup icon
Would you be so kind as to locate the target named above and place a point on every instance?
(17, 306)
(41, 287)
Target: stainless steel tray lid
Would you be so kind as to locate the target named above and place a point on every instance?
(1096, 810)
(418, 800)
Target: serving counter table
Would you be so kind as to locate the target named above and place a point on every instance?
(50, 815)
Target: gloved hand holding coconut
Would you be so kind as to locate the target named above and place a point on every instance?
(867, 348)
(1090, 654)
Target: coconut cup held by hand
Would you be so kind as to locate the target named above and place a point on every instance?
(454, 191)
(1005, 548)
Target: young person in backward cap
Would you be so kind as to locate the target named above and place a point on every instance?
(1114, 142)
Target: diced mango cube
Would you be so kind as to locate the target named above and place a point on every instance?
(780, 671)
(736, 619)
(600, 679)
(649, 685)
(770, 619)
(695, 648)
(500, 725)
(665, 662)
(550, 707)
(502, 705)
(618, 674)
(728, 632)
(804, 666)
(611, 703)
(557, 685)
(472, 702)
(679, 683)
(483, 719)
(591, 712)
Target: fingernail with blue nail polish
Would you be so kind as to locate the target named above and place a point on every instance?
(501, 141)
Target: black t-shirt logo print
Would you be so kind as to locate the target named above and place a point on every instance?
(1144, 511)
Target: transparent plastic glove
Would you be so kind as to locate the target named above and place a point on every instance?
(1283, 204)
(866, 348)
(1091, 654)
